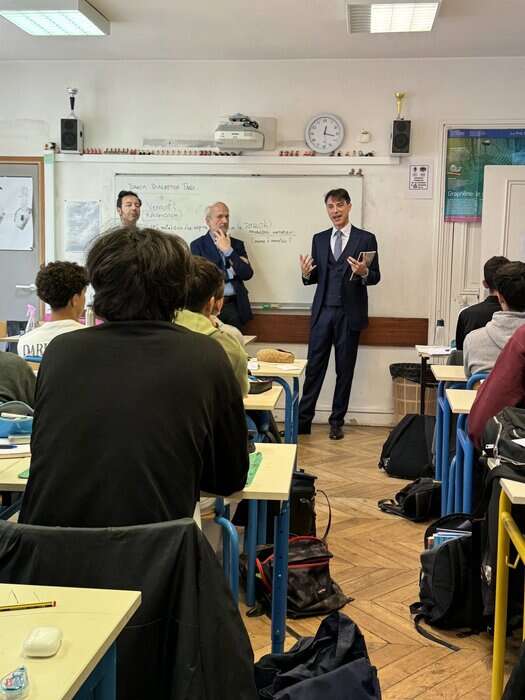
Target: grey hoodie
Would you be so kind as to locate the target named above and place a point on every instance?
(482, 346)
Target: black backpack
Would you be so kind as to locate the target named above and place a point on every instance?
(407, 452)
(450, 582)
(499, 435)
(418, 501)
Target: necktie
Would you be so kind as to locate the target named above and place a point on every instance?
(338, 245)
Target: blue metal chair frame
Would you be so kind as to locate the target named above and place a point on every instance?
(443, 417)
(230, 546)
(459, 490)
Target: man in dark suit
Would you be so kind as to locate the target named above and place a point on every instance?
(339, 309)
(230, 255)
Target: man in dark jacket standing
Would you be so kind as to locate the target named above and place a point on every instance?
(339, 267)
(229, 254)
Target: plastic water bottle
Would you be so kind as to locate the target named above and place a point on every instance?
(90, 315)
(439, 334)
(31, 318)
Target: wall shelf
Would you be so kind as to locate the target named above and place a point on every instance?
(250, 160)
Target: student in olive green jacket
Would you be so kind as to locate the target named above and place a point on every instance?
(205, 300)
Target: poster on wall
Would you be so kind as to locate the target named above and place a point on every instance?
(81, 225)
(468, 152)
(16, 213)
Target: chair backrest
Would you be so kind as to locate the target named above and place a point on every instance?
(3, 329)
(169, 644)
(475, 380)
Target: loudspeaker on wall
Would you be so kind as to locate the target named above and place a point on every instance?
(400, 145)
(71, 136)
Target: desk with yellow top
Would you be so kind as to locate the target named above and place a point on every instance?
(90, 620)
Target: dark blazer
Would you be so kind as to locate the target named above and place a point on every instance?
(205, 247)
(354, 293)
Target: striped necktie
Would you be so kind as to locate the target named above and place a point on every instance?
(338, 245)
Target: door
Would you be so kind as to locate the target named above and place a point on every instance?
(18, 268)
(503, 218)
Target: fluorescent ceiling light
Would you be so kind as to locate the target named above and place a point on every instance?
(55, 17)
(376, 17)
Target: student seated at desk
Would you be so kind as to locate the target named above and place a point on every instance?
(505, 386)
(205, 300)
(62, 285)
(483, 345)
(478, 315)
(17, 379)
(135, 416)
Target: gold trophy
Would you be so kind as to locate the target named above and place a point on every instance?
(400, 96)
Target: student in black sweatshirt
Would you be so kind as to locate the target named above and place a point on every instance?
(135, 416)
(478, 315)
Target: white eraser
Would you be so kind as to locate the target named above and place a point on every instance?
(42, 641)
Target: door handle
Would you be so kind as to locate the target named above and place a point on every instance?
(27, 287)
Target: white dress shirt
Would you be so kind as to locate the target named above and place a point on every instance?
(344, 238)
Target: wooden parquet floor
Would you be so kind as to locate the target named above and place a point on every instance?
(376, 561)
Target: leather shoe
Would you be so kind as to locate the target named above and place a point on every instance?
(304, 429)
(336, 432)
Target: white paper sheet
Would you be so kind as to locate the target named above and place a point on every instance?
(16, 213)
(81, 225)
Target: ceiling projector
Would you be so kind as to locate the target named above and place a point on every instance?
(239, 133)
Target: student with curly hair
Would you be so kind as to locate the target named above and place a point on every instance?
(62, 285)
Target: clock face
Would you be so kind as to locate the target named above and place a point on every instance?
(324, 133)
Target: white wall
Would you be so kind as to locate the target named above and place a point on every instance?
(123, 102)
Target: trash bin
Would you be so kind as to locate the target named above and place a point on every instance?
(407, 390)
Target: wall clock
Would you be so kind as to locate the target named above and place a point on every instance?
(324, 133)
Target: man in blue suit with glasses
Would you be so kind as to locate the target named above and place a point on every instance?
(343, 263)
(229, 254)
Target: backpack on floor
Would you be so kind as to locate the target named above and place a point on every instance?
(450, 581)
(418, 501)
(311, 589)
(407, 452)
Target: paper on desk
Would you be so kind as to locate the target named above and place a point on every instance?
(285, 367)
(434, 349)
(520, 442)
(16, 451)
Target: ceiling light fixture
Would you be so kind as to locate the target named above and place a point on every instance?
(376, 17)
(55, 17)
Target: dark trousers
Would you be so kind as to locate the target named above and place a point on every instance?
(230, 314)
(331, 328)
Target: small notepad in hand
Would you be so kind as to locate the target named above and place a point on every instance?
(365, 256)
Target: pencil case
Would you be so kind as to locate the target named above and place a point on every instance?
(275, 355)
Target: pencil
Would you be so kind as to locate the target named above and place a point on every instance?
(28, 606)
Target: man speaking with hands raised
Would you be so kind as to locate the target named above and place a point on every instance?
(229, 254)
(344, 261)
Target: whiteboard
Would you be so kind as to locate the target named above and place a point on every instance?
(275, 216)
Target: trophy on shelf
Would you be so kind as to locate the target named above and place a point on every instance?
(400, 96)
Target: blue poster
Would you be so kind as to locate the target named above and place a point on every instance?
(468, 152)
